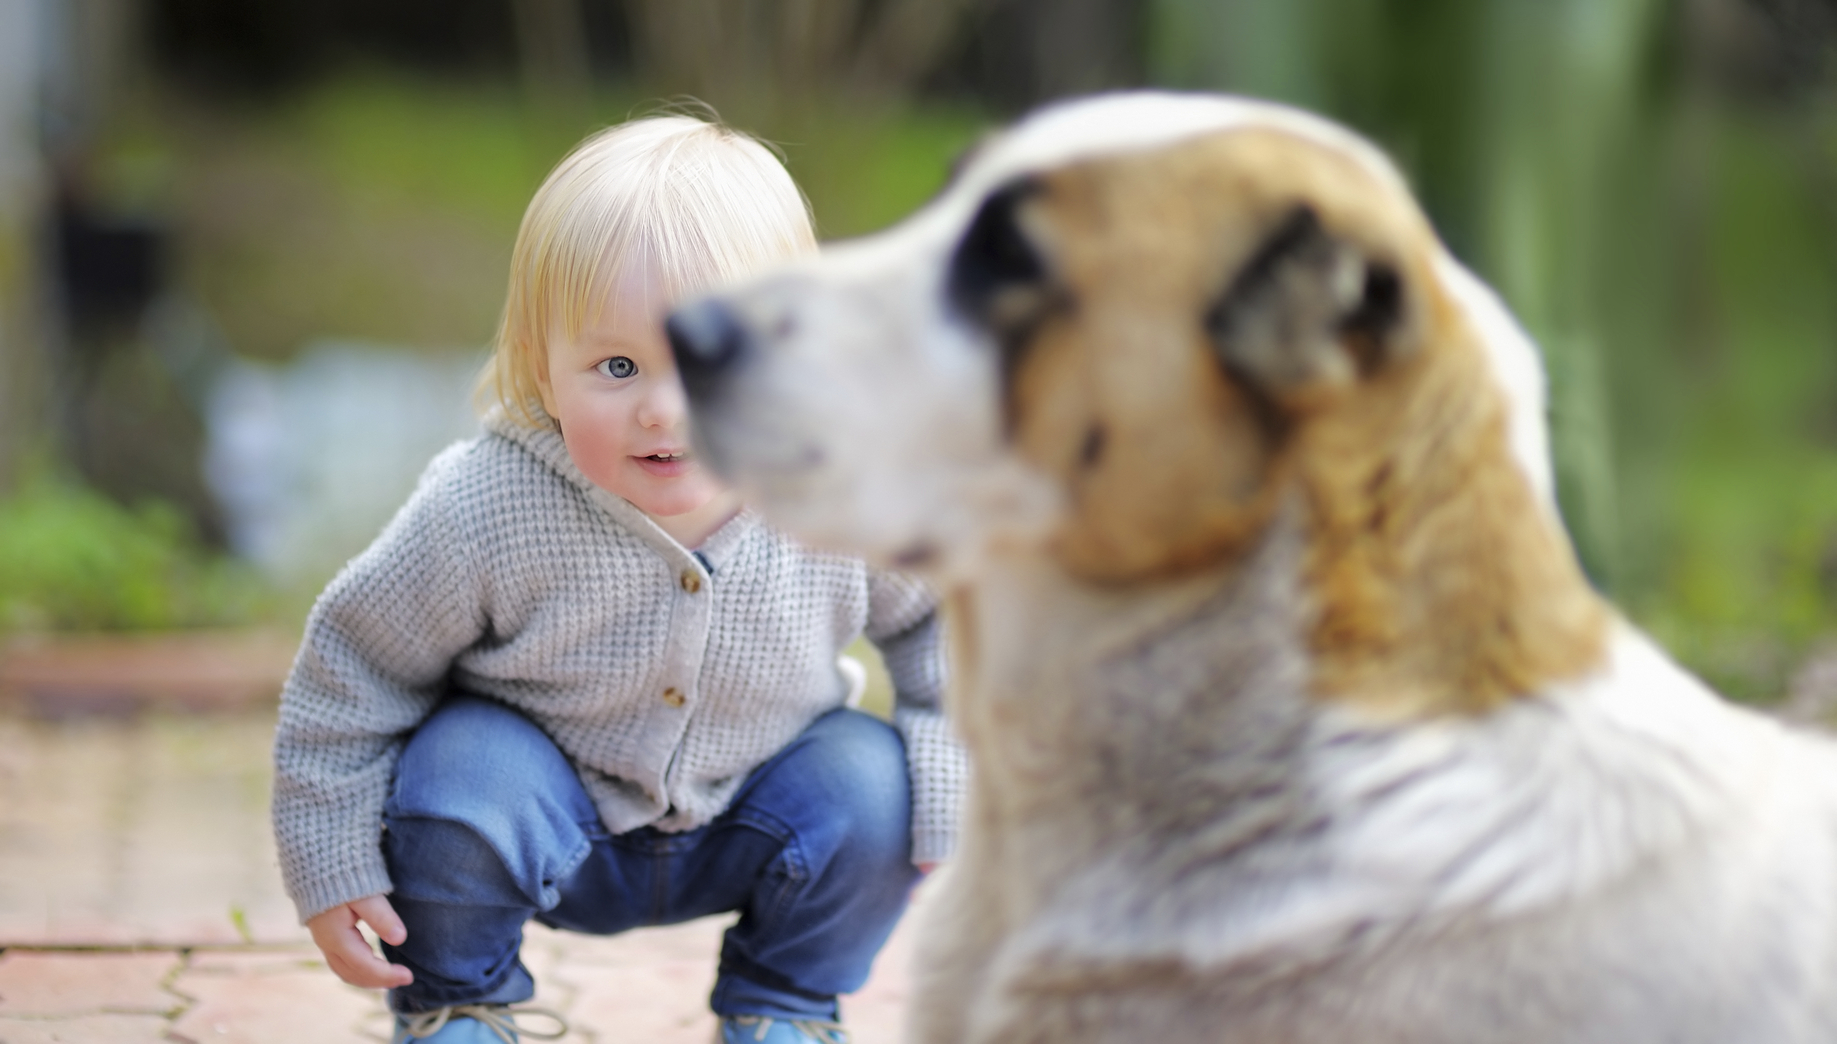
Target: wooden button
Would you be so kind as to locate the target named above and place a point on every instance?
(673, 697)
(691, 581)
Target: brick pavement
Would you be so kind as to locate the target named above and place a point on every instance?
(647, 986)
(140, 901)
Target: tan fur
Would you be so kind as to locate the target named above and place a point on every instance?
(960, 618)
(1441, 584)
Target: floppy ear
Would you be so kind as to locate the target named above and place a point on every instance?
(1309, 310)
(997, 276)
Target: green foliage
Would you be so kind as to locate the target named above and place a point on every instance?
(405, 144)
(383, 207)
(71, 559)
(373, 207)
(1744, 539)
(864, 169)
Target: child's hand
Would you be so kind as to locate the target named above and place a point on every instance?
(348, 952)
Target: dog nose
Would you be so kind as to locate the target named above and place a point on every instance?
(707, 340)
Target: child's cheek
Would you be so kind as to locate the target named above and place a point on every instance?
(595, 442)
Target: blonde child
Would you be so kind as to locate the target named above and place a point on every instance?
(575, 680)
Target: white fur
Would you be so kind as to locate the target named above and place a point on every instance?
(1171, 838)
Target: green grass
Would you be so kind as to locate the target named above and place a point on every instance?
(73, 560)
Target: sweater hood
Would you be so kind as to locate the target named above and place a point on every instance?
(546, 445)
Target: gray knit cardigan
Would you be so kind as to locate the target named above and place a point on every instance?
(508, 574)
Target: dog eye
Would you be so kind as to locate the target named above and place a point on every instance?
(995, 256)
(617, 367)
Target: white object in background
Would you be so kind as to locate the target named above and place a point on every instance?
(856, 675)
(310, 459)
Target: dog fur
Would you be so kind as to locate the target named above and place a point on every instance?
(1292, 717)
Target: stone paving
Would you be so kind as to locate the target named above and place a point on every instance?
(140, 901)
(646, 986)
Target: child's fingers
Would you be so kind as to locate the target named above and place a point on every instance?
(382, 919)
(351, 960)
(346, 950)
(383, 975)
(378, 976)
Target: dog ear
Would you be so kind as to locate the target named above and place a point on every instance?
(997, 276)
(1309, 310)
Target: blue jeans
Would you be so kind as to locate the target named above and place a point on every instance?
(488, 826)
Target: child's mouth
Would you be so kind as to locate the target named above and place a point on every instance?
(666, 465)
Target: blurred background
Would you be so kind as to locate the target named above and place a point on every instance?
(251, 253)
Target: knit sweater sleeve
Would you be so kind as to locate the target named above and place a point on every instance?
(374, 660)
(903, 623)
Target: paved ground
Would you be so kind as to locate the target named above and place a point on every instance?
(139, 898)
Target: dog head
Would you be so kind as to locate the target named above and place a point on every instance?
(1131, 333)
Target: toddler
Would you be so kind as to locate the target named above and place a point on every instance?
(575, 680)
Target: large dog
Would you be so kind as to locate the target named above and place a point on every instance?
(1292, 717)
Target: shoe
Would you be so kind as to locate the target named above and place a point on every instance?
(475, 1024)
(764, 1029)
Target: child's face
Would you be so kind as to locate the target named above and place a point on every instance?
(622, 411)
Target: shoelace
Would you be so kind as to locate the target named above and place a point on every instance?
(500, 1019)
(816, 1029)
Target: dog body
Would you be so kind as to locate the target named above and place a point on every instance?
(1292, 717)
(1171, 840)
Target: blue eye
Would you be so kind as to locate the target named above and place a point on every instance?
(617, 366)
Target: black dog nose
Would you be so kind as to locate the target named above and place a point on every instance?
(707, 339)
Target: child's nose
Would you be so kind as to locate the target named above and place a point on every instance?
(666, 406)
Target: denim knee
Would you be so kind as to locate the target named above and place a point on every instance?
(478, 777)
(448, 862)
(872, 786)
(842, 784)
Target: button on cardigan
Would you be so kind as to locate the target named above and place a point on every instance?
(664, 675)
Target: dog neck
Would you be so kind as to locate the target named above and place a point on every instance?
(1047, 663)
(1094, 717)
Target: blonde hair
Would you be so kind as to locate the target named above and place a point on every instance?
(700, 202)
